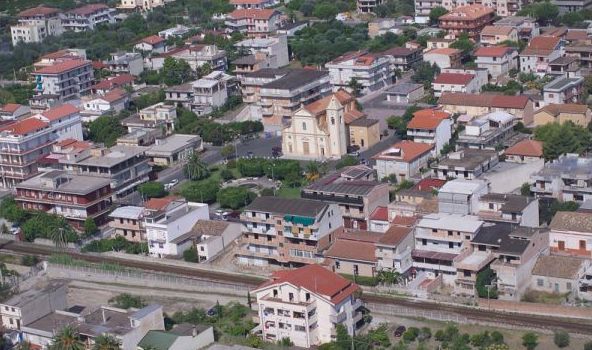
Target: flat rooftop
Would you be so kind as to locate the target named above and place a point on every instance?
(35, 292)
(63, 182)
(115, 155)
(173, 144)
(441, 221)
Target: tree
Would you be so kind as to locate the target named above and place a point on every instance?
(561, 338)
(485, 278)
(588, 346)
(106, 130)
(356, 86)
(347, 160)
(525, 189)
(227, 151)
(226, 174)
(235, 197)
(544, 12)
(90, 227)
(152, 189)
(564, 138)
(11, 211)
(530, 340)
(325, 10)
(196, 169)
(67, 339)
(175, 71)
(201, 191)
(312, 170)
(106, 342)
(190, 255)
(127, 301)
(464, 44)
(388, 276)
(59, 235)
(425, 73)
(436, 13)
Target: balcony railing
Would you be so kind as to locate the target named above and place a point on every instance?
(332, 198)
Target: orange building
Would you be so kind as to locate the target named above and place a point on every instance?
(467, 19)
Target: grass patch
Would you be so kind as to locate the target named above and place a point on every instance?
(289, 192)
(361, 280)
(67, 260)
(533, 296)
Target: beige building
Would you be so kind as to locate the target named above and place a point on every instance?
(128, 222)
(479, 104)
(494, 35)
(305, 305)
(353, 253)
(143, 5)
(578, 114)
(364, 133)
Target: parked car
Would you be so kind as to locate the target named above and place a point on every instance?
(399, 331)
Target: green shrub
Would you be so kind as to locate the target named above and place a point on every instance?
(29, 260)
(561, 338)
(411, 334)
(126, 301)
(190, 255)
(362, 280)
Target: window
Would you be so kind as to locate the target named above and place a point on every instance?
(337, 265)
(434, 230)
(201, 248)
(450, 233)
(540, 282)
(275, 293)
(450, 245)
(356, 269)
(491, 206)
(568, 285)
(291, 296)
(307, 296)
(304, 126)
(424, 242)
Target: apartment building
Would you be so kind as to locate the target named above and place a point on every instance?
(161, 116)
(540, 51)
(51, 58)
(62, 81)
(196, 56)
(566, 6)
(288, 232)
(74, 197)
(354, 190)
(306, 304)
(582, 52)
(568, 178)
(439, 239)
(142, 5)
(466, 164)
(520, 107)
(168, 229)
(403, 58)
(128, 222)
(36, 24)
(210, 92)
(367, 6)
(571, 234)
(371, 71)
(273, 50)
(252, 82)
(487, 132)
(253, 22)
(393, 249)
(14, 111)
(443, 58)
(508, 207)
(564, 90)
(497, 60)
(88, 17)
(432, 127)
(65, 121)
(282, 97)
(405, 160)
(527, 27)
(125, 166)
(126, 63)
(461, 196)
(469, 19)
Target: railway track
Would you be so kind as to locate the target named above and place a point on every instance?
(472, 314)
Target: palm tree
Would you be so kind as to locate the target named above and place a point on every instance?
(196, 169)
(67, 339)
(106, 342)
(388, 276)
(59, 235)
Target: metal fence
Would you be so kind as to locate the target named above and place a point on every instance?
(397, 310)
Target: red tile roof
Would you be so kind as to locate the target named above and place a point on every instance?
(159, 203)
(431, 112)
(541, 45)
(555, 109)
(427, 122)
(10, 107)
(263, 14)
(493, 51)
(316, 279)
(467, 13)
(407, 221)
(380, 213)
(40, 10)
(497, 30)
(61, 111)
(88, 9)
(484, 100)
(62, 67)
(429, 184)
(444, 51)
(527, 148)
(352, 250)
(454, 78)
(394, 235)
(152, 40)
(114, 82)
(409, 151)
(25, 126)
(114, 95)
(73, 143)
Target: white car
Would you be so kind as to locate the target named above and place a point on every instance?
(172, 183)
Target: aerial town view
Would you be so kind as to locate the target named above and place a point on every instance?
(295, 174)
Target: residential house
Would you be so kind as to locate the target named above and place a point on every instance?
(470, 19)
(290, 28)
(461, 196)
(527, 27)
(487, 132)
(142, 5)
(160, 116)
(306, 304)
(182, 336)
(405, 93)
(443, 58)
(498, 60)
(126, 63)
(36, 24)
(354, 190)
(393, 249)
(540, 51)
(252, 4)
(411, 203)
(178, 31)
(404, 160)
(88, 17)
(168, 230)
(174, 149)
(363, 133)
(14, 111)
(152, 44)
(371, 71)
(253, 22)
(128, 222)
(564, 90)
(466, 164)
(566, 66)
(403, 58)
(572, 6)
(508, 207)
(438, 43)
(459, 80)
(272, 50)
(353, 253)
(305, 225)
(74, 197)
(367, 6)
(62, 81)
(430, 126)
(520, 107)
(568, 178)
(111, 103)
(571, 233)
(578, 114)
(213, 237)
(210, 92)
(525, 151)
(196, 56)
(582, 52)
(122, 81)
(379, 220)
(495, 34)
(181, 95)
(565, 275)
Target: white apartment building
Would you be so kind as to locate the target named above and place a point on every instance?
(305, 305)
(88, 17)
(372, 72)
(540, 51)
(404, 160)
(143, 5)
(439, 239)
(95, 106)
(275, 48)
(497, 60)
(197, 56)
(160, 113)
(65, 121)
(434, 129)
(36, 24)
(503, 8)
(459, 80)
(508, 207)
(563, 90)
(460, 196)
(568, 178)
(210, 92)
(168, 230)
(62, 81)
(571, 234)
(126, 63)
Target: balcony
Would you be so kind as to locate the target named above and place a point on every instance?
(339, 318)
(330, 197)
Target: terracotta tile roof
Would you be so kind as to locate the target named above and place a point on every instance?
(454, 78)
(572, 221)
(406, 151)
(25, 126)
(431, 112)
(573, 35)
(152, 40)
(98, 65)
(73, 144)
(399, 51)
(429, 184)
(58, 54)
(352, 250)
(497, 30)
(315, 279)
(40, 10)
(159, 203)
(62, 67)
(444, 51)
(394, 235)
(380, 213)
(10, 107)
(114, 82)
(493, 51)
(88, 9)
(246, 2)
(527, 148)
(541, 45)
(209, 227)
(483, 100)
(406, 221)
(556, 109)
(263, 14)
(467, 13)
(61, 111)
(424, 123)
(556, 266)
(114, 95)
(352, 115)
